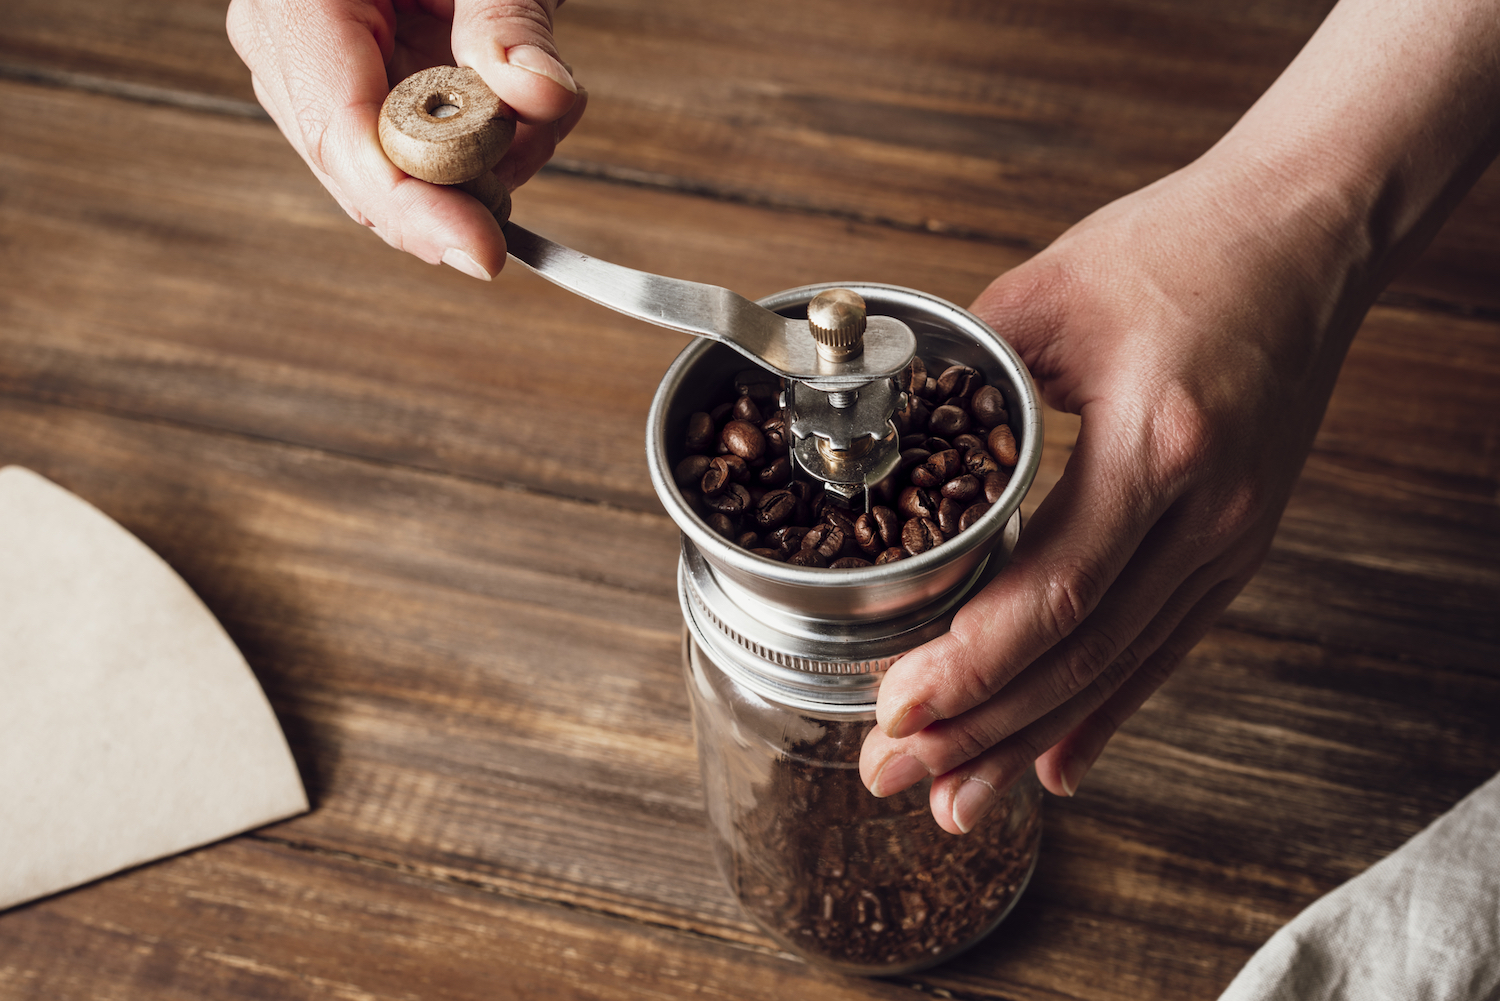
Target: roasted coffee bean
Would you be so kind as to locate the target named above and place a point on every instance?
(958, 380)
(770, 554)
(826, 539)
(963, 488)
(914, 376)
(916, 503)
(929, 389)
(913, 418)
(890, 555)
(850, 563)
(776, 473)
(935, 444)
(746, 410)
(777, 435)
(744, 440)
(926, 477)
(867, 534)
(787, 538)
(774, 509)
(912, 441)
(971, 514)
(946, 464)
(949, 512)
(979, 463)
(747, 540)
(889, 524)
(807, 558)
(700, 432)
(835, 515)
(949, 420)
(722, 523)
(722, 413)
(912, 458)
(716, 478)
(757, 385)
(689, 472)
(1003, 445)
(920, 535)
(734, 501)
(965, 443)
(757, 494)
(995, 484)
(988, 407)
(738, 469)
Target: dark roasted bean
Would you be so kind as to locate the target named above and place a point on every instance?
(912, 441)
(746, 410)
(747, 540)
(929, 389)
(946, 464)
(1003, 446)
(920, 535)
(971, 514)
(988, 407)
(744, 440)
(776, 473)
(926, 477)
(722, 413)
(913, 418)
(967, 442)
(995, 484)
(826, 539)
(867, 534)
(715, 478)
(935, 444)
(774, 509)
(835, 515)
(700, 432)
(738, 469)
(722, 523)
(787, 538)
(963, 488)
(890, 555)
(849, 563)
(949, 420)
(770, 554)
(914, 376)
(958, 380)
(807, 558)
(949, 512)
(889, 524)
(735, 500)
(775, 430)
(978, 462)
(916, 503)
(689, 472)
(757, 385)
(912, 458)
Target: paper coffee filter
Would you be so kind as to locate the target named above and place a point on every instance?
(131, 728)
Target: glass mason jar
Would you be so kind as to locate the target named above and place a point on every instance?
(783, 665)
(859, 884)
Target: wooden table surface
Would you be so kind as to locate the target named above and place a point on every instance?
(419, 503)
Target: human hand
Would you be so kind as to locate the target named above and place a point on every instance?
(1197, 327)
(322, 68)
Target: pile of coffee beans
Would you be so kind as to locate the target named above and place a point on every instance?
(957, 454)
(864, 882)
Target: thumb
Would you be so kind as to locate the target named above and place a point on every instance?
(509, 43)
(1028, 306)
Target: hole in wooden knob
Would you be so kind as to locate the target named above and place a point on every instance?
(444, 125)
(443, 104)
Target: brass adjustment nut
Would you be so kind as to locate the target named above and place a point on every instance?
(836, 319)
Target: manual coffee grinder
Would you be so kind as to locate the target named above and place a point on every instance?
(782, 661)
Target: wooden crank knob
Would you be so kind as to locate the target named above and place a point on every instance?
(445, 126)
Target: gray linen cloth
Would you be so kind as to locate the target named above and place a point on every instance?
(1420, 925)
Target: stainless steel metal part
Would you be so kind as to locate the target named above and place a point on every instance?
(779, 343)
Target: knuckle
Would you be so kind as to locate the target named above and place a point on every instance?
(1070, 595)
(1089, 655)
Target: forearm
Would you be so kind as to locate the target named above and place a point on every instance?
(1377, 129)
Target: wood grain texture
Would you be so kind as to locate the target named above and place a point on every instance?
(1003, 122)
(419, 504)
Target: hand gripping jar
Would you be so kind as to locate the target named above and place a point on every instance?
(783, 664)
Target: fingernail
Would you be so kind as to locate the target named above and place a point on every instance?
(914, 719)
(901, 771)
(972, 801)
(460, 261)
(1072, 773)
(534, 60)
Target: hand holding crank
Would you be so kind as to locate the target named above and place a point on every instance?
(1197, 326)
(322, 69)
